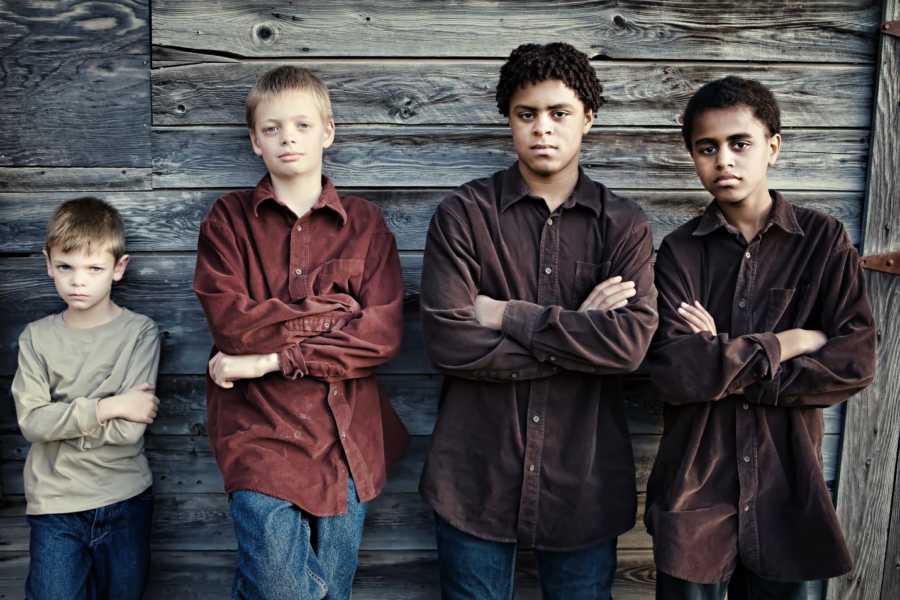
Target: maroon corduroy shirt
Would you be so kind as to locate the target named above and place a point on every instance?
(739, 470)
(323, 291)
(531, 444)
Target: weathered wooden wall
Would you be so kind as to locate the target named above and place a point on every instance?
(95, 99)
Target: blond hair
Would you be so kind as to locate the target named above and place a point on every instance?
(283, 79)
(87, 224)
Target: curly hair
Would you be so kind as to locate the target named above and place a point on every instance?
(727, 92)
(534, 63)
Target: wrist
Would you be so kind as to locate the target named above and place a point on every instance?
(268, 363)
(105, 409)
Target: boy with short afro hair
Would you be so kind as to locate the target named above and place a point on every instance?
(302, 291)
(763, 322)
(84, 394)
(537, 295)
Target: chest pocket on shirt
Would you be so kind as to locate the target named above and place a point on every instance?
(339, 276)
(781, 307)
(587, 276)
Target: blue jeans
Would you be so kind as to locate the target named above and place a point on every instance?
(92, 554)
(285, 553)
(477, 569)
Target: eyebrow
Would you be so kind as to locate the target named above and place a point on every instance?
(730, 138)
(551, 107)
(291, 118)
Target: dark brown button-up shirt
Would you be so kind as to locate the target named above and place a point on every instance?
(739, 469)
(325, 293)
(531, 444)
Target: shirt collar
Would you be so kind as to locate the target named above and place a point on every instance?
(781, 215)
(586, 193)
(328, 199)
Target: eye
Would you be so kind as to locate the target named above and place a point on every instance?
(560, 114)
(63, 267)
(270, 130)
(707, 150)
(302, 125)
(96, 269)
(526, 115)
(742, 145)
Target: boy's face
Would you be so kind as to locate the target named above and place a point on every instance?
(84, 280)
(548, 121)
(732, 152)
(290, 134)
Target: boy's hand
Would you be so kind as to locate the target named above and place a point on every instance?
(225, 369)
(795, 342)
(610, 294)
(489, 312)
(697, 317)
(138, 405)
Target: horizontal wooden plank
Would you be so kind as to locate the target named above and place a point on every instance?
(184, 464)
(168, 220)
(462, 92)
(378, 156)
(202, 522)
(398, 575)
(87, 65)
(74, 181)
(182, 409)
(837, 31)
(27, 294)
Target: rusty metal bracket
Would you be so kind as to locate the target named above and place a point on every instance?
(888, 262)
(891, 28)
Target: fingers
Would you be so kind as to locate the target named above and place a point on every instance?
(609, 294)
(697, 318)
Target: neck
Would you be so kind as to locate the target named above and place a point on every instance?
(554, 189)
(100, 314)
(749, 215)
(298, 193)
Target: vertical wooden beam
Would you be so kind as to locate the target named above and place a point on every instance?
(868, 503)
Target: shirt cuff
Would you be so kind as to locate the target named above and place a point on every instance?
(772, 347)
(292, 363)
(519, 321)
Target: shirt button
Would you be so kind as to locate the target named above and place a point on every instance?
(745, 406)
(550, 221)
(327, 324)
(297, 435)
(299, 271)
(746, 459)
(299, 227)
(746, 508)
(334, 392)
(548, 270)
(515, 375)
(552, 358)
(343, 435)
(742, 303)
(531, 468)
(536, 419)
(747, 255)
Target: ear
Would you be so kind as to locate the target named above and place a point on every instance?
(588, 122)
(49, 264)
(774, 148)
(119, 268)
(329, 133)
(255, 143)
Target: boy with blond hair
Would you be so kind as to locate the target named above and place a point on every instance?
(84, 395)
(302, 291)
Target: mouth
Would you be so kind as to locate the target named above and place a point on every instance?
(543, 149)
(78, 296)
(290, 156)
(727, 180)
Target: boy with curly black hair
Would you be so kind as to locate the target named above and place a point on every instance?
(763, 321)
(537, 295)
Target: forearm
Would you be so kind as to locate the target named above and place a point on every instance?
(57, 421)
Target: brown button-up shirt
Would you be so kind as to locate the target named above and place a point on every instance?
(531, 444)
(739, 470)
(324, 292)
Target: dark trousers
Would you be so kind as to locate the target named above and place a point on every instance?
(743, 585)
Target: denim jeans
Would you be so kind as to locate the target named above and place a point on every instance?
(92, 554)
(477, 569)
(743, 585)
(287, 554)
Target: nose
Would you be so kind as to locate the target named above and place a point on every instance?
(287, 135)
(724, 158)
(543, 124)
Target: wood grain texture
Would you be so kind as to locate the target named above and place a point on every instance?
(97, 89)
(394, 575)
(868, 503)
(184, 464)
(778, 31)
(169, 220)
(73, 181)
(427, 156)
(462, 92)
